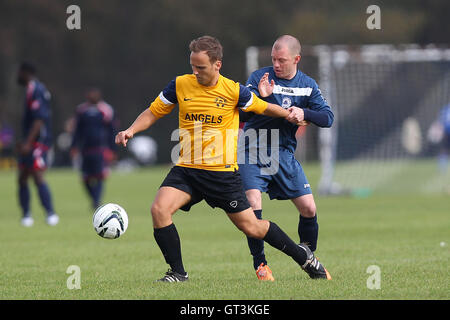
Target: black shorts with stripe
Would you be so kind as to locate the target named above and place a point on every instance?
(221, 189)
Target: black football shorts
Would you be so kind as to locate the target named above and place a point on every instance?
(221, 189)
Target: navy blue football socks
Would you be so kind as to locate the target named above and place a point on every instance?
(95, 190)
(257, 246)
(308, 231)
(45, 196)
(24, 199)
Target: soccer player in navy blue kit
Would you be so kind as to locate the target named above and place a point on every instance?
(37, 139)
(285, 85)
(94, 137)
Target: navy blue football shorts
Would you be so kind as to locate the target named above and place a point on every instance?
(93, 166)
(288, 182)
(446, 141)
(222, 189)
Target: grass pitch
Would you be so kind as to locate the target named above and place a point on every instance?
(406, 236)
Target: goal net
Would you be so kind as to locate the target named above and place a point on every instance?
(385, 99)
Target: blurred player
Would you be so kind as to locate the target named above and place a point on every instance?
(283, 84)
(37, 139)
(444, 120)
(439, 133)
(208, 111)
(93, 137)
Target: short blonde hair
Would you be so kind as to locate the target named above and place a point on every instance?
(292, 43)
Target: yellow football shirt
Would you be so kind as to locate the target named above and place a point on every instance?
(208, 120)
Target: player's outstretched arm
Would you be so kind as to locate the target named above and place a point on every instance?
(142, 122)
(275, 111)
(248, 101)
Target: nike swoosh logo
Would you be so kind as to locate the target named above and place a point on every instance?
(187, 99)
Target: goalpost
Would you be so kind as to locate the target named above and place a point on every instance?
(385, 99)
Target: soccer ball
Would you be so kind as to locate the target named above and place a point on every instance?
(110, 221)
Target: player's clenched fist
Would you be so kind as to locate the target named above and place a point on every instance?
(297, 116)
(122, 137)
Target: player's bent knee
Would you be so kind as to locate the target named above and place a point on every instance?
(255, 204)
(252, 233)
(309, 211)
(157, 210)
(254, 230)
(254, 199)
(161, 216)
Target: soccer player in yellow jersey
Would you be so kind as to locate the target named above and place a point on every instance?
(207, 167)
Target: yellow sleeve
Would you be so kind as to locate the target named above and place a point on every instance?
(255, 105)
(159, 108)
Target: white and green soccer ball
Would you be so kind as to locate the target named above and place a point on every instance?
(110, 221)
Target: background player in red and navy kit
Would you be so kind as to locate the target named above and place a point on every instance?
(37, 139)
(94, 137)
(444, 119)
(285, 85)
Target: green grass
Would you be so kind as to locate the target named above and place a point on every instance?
(400, 233)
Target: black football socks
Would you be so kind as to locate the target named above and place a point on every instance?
(24, 199)
(281, 241)
(257, 246)
(169, 242)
